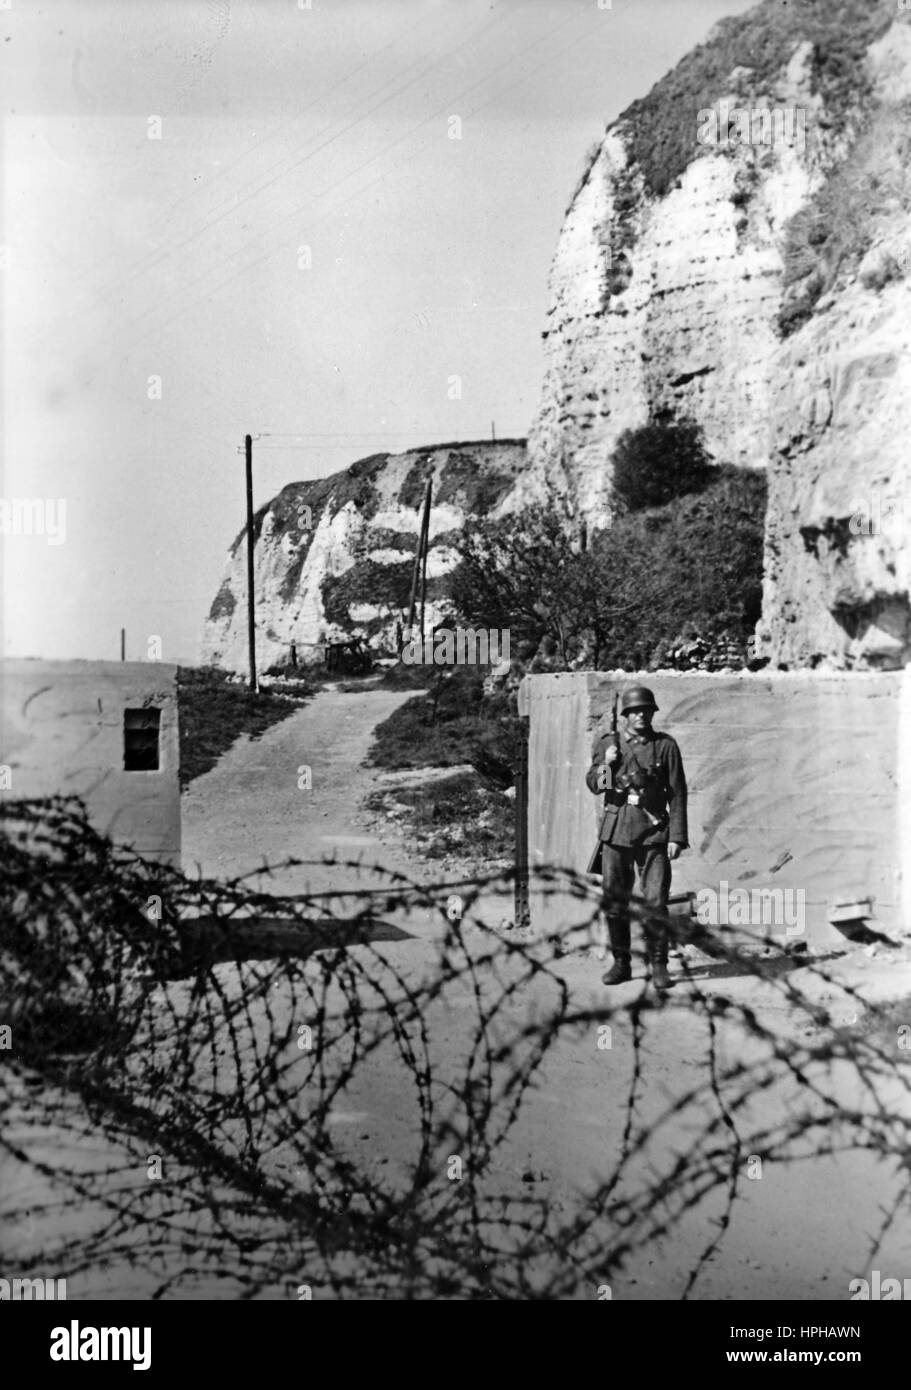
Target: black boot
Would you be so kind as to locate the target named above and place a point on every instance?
(656, 936)
(621, 970)
(660, 978)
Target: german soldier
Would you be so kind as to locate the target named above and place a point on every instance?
(643, 828)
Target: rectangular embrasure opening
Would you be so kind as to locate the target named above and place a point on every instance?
(141, 729)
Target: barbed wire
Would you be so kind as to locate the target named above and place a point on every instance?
(180, 1099)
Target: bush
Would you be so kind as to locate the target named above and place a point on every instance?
(521, 574)
(658, 462)
(692, 565)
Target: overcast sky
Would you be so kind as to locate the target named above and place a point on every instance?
(261, 206)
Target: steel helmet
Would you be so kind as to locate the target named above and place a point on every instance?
(636, 696)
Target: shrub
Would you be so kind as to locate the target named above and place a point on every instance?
(521, 574)
(658, 462)
(692, 565)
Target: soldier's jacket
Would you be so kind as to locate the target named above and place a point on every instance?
(652, 769)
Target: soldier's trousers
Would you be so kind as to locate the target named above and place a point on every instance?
(619, 867)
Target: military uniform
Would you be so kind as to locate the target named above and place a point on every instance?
(644, 809)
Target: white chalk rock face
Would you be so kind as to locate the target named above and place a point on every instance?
(836, 578)
(671, 303)
(334, 557)
(836, 568)
(678, 304)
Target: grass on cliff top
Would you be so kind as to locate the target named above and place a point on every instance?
(356, 483)
(353, 484)
(480, 488)
(214, 711)
(661, 127)
(867, 193)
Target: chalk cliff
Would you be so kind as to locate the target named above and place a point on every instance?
(335, 556)
(756, 285)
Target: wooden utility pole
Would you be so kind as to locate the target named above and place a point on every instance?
(420, 562)
(123, 644)
(415, 571)
(425, 538)
(251, 611)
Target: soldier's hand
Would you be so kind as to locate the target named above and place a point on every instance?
(673, 849)
(611, 753)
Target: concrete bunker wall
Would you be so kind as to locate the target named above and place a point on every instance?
(62, 733)
(797, 781)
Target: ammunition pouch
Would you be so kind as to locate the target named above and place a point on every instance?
(637, 824)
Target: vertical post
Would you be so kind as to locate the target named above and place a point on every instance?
(414, 584)
(419, 555)
(251, 609)
(493, 431)
(425, 533)
(123, 644)
(522, 907)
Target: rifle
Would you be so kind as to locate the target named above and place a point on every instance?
(614, 738)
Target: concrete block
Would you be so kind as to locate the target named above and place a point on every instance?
(62, 733)
(798, 781)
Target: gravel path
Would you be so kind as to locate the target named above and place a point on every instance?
(250, 808)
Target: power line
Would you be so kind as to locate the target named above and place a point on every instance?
(344, 434)
(256, 145)
(295, 213)
(260, 187)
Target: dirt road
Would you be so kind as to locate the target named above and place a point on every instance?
(256, 806)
